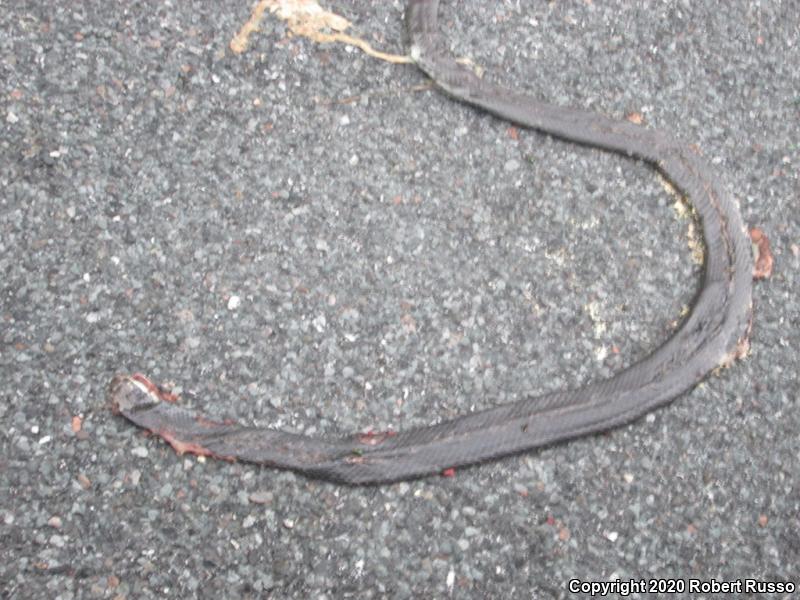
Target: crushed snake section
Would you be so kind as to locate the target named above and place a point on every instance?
(713, 333)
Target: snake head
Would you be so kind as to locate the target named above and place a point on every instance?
(131, 393)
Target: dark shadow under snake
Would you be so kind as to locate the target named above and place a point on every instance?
(714, 333)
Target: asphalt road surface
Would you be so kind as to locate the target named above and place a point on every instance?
(305, 237)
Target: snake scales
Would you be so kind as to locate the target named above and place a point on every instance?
(712, 334)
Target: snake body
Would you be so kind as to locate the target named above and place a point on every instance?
(713, 334)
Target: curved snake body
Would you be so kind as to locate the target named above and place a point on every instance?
(712, 334)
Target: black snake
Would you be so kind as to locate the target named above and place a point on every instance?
(714, 333)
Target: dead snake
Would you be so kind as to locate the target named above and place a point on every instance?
(713, 334)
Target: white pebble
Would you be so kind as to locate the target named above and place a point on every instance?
(135, 476)
(319, 323)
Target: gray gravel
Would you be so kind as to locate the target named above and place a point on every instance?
(297, 237)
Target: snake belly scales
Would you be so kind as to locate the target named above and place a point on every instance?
(714, 332)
